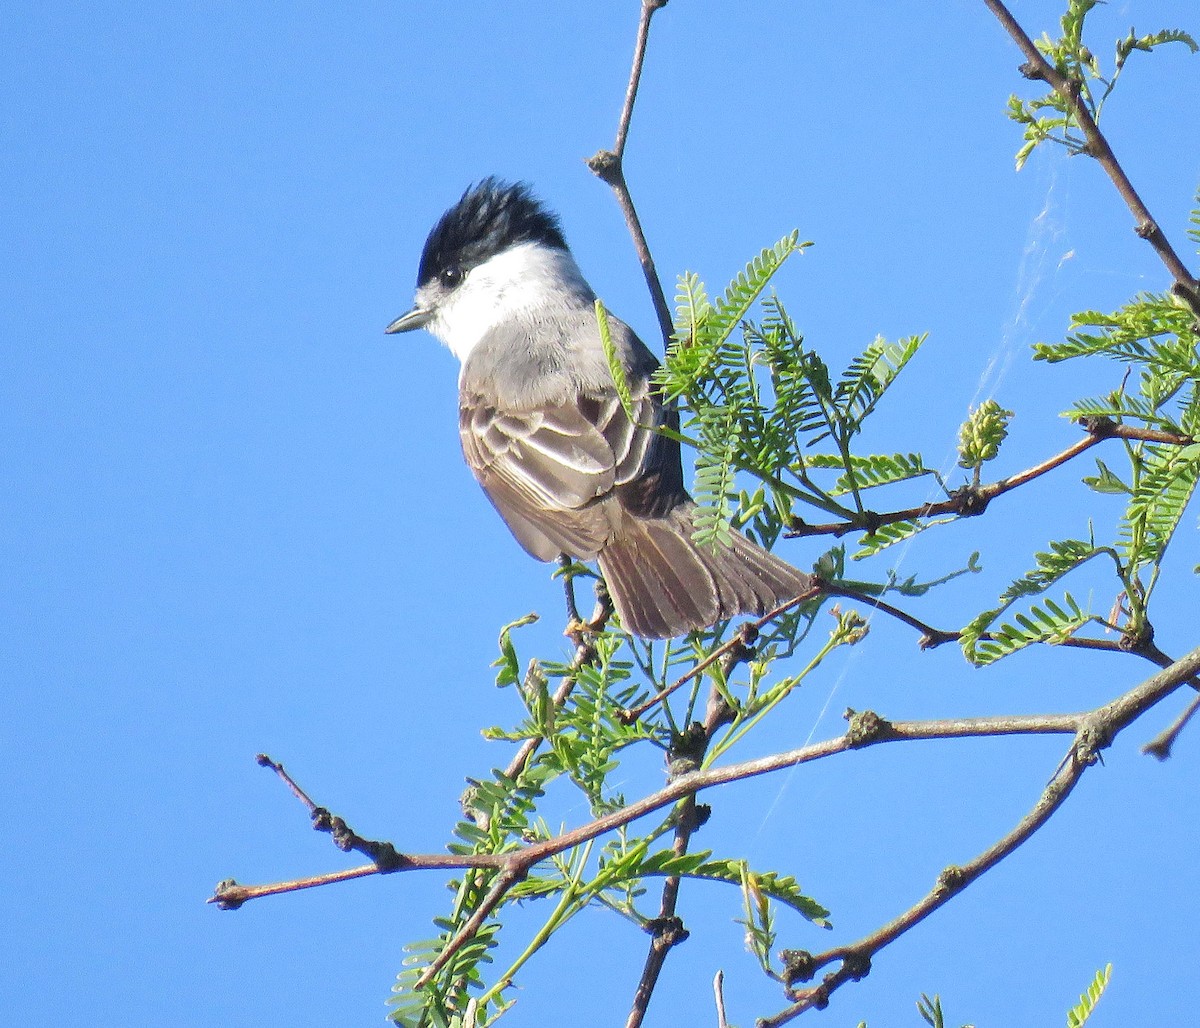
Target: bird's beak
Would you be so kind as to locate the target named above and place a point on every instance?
(418, 317)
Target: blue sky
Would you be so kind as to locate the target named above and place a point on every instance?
(235, 517)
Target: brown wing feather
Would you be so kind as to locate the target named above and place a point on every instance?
(545, 471)
(572, 473)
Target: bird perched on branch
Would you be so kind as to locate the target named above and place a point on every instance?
(546, 434)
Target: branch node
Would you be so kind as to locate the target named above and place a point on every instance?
(384, 855)
(934, 638)
(668, 932)
(1092, 738)
(1139, 642)
(856, 966)
(1097, 425)
(606, 166)
(870, 522)
(950, 880)
(969, 501)
(1145, 229)
(687, 750)
(798, 966)
(1032, 71)
(228, 895)
(866, 727)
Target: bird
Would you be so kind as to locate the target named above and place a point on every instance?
(546, 434)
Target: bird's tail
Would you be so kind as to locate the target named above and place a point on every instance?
(664, 585)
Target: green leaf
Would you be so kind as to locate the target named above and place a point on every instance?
(714, 490)
(1049, 623)
(870, 471)
(1079, 1014)
(1105, 481)
(615, 367)
(1164, 486)
(890, 535)
(739, 296)
(869, 375)
(509, 666)
(931, 1011)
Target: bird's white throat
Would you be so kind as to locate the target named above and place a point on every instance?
(512, 285)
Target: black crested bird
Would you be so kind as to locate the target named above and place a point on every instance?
(546, 435)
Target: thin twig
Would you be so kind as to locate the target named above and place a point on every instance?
(744, 635)
(1160, 745)
(1037, 67)
(1093, 732)
(931, 637)
(581, 633)
(232, 894)
(505, 880)
(667, 929)
(719, 995)
(971, 501)
(609, 166)
(1096, 731)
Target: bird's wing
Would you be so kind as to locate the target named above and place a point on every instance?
(547, 469)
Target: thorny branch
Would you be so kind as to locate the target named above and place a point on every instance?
(1186, 287)
(970, 501)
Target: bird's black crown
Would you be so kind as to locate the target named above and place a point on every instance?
(491, 217)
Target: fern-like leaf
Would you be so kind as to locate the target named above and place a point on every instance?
(1165, 486)
(1045, 622)
(864, 382)
(735, 303)
(615, 368)
(1078, 1015)
(714, 490)
(870, 471)
(1049, 623)
(890, 535)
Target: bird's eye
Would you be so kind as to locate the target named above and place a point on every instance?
(451, 276)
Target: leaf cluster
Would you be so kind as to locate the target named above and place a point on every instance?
(1157, 344)
(755, 399)
(583, 738)
(1052, 117)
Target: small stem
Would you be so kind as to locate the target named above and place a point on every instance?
(974, 500)
(1160, 745)
(608, 165)
(751, 628)
(1186, 285)
(558, 917)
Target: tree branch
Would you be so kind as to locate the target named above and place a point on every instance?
(1095, 732)
(1187, 288)
(866, 729)
(667, 929)
(609, 166)
(971, 501)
